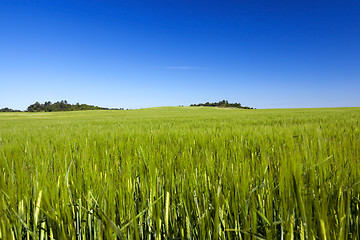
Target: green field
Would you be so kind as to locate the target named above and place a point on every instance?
(181, 173)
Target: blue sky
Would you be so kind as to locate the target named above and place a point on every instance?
(136, 54)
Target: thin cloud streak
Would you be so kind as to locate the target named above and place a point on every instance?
(181, 67)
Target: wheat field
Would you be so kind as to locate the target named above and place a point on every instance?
(181, 173)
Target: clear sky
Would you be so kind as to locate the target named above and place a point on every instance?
(135, 53)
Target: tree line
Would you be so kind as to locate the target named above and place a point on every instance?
(8, 110)
(62, 105)
(223, 103)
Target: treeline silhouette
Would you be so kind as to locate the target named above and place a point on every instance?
(223, 103)
(8, 110)
(62, 105)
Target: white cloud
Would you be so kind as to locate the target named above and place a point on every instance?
(179, 68)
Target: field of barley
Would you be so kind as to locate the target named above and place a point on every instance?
(181, 173)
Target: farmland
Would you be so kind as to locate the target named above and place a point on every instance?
(181, 173)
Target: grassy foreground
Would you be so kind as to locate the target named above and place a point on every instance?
(181, 173)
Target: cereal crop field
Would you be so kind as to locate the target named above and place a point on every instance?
(181, 173)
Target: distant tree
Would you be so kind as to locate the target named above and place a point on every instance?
(223, 103)
(6, 109)
(63, 105)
